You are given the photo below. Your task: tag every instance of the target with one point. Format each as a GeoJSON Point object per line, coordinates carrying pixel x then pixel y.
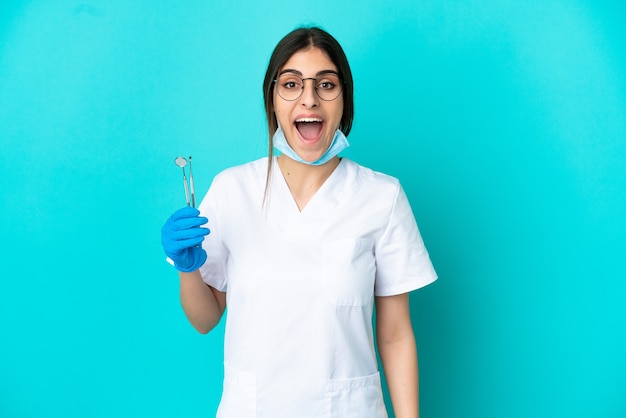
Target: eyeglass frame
{"type": "Point", "coordinates": [319, 75]}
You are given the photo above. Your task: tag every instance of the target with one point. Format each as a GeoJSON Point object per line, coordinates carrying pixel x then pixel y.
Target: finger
{"type": "Point", "coordinates": [185, 234]}
{"type": "Point", "coordinates": [186, 212]}
{"type": "Point", "coordinates": [185, 244]}
{"type": "Point", "coordinates": [187, 223]}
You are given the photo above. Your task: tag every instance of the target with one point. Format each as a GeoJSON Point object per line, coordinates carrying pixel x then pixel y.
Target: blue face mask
{"type": "Point", "coordinates": [340, 142]}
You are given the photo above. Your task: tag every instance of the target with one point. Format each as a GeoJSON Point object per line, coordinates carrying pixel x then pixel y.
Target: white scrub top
{"type": "Point", "coordinates": [301, 284]}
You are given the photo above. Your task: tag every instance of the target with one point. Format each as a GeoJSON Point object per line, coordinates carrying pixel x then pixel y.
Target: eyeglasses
{"type": "Point", "coordinates": [290, 86]}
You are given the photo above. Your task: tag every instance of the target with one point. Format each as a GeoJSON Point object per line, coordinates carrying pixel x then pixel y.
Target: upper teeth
{"type": "Point", "coordinates": [308, 120]}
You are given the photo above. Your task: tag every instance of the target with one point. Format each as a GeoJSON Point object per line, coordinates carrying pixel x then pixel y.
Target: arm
{"type": "Point", "coordinates": [181, 237]}
{"type": "Point", "coordinates": [203, 305]}
{"type": "Point", "coordinates": [398, 353]}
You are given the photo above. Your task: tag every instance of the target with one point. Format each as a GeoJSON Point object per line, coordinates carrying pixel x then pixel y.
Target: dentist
{"type": "Point", "coordinates": [302, 248]}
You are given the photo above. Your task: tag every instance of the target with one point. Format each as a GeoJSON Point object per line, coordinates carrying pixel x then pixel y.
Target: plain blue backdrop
{"type": "Point", "coordinates": [505, 121]}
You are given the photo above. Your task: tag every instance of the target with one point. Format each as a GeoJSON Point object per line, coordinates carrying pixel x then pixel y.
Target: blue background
{"type": "Point", "coordinates": [504, 120]}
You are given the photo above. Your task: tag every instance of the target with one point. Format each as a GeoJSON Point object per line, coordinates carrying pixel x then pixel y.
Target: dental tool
{"type": "Point", "coordinates": [182, 162]}
{"type": "Point", "coordinates": [193, 190]}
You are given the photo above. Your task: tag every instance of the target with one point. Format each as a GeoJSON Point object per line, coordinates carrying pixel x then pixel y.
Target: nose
{"type": "Point", "coordinates": [309, 95]}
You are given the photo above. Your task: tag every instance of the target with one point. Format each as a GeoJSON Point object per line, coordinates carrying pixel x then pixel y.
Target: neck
{"type": "Point", "coordinates": [303, 179]}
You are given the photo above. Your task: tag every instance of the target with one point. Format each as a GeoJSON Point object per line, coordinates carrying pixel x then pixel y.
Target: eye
{"type": "Point", "coordinates": [290, 83]}
{"type": "Point", "coordinates": [328, 83]}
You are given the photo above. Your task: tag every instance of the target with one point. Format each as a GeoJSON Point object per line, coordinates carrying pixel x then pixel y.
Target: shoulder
{"type": "Point", "coordinates": [240, 183]}
{"type": "Point", "coordinates": [247, 173]}
{"type": "Point", "coordinates": [367, 180]}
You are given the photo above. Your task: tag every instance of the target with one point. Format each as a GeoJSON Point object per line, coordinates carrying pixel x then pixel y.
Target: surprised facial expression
{"type": "Point", "coordinates": [309, 122]}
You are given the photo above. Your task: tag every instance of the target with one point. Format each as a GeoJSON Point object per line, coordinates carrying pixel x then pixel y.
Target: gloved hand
{"type": "Point", "coordinates": [181, 237]}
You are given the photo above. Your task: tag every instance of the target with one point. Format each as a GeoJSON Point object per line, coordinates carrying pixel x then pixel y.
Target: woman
{"type": "Point", "coordinates": [301, 248]}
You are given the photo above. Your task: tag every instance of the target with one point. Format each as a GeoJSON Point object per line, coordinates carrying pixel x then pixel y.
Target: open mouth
{"type": "Point", "coordinates": [309, 128]}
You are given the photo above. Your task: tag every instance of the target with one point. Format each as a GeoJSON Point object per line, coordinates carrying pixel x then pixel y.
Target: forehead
{"type": "Point", "coordinates": [309, 62]}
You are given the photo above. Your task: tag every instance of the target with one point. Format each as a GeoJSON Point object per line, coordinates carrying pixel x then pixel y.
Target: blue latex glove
{"type": "Point", "coordinates": [181, 237]}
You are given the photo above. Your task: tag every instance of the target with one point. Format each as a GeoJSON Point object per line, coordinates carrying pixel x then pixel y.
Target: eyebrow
{"type": "Point", "coordinates": [319, 73]}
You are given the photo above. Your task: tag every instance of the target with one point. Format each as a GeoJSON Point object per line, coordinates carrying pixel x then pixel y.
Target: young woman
{"type": "Point", "coordinates": [301, 249]}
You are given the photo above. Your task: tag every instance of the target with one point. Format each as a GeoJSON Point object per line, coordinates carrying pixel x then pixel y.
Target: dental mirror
{"type": "Point", "coordinates": [182, 162]}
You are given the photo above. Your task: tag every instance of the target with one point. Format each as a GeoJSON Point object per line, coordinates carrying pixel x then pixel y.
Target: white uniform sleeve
{"type": "Point", "coordinates": [213, 271]}
{"type": "Point", "coordinates": [402, 261]}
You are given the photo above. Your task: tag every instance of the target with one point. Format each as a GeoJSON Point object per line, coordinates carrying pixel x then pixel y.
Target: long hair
{"type": "Point", "coordinates": [301, 39]}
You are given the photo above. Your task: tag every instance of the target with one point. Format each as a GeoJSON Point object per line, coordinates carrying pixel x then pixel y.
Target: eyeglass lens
{"type": "Point", "coordinates": [290, 86]}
